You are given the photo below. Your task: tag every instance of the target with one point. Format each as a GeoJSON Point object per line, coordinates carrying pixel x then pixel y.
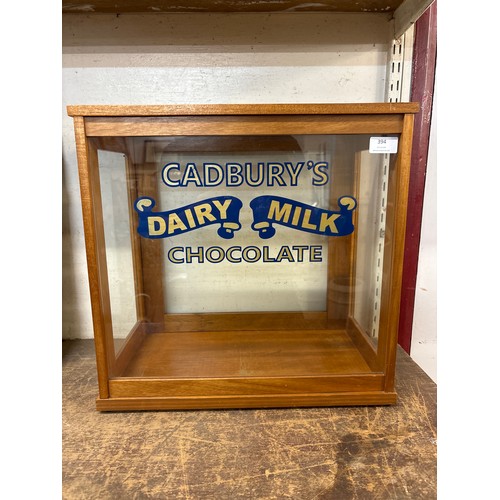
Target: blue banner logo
{"type": "Point", "coordinates": [268, 210]}
{"type": "Point", "coordinates": [223, 210]}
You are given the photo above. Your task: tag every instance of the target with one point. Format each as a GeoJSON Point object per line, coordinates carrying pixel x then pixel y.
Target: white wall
{"type": "Point", "coordinates": [424, 334]}
{"type": "Point", "coordinates": [204, 58]}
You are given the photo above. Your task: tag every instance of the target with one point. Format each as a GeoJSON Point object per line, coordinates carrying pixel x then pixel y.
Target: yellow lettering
{"type": "Point", "coordinates": [190, 218]}
{"type": "Point", "coordinates": [284, 253]}
{"type": "Point", "coordinates": [222, 207]}
{"type": "Point", "coordinates": [165, 174]}
{"type": "Point", "coordinates": [328, 222]}
{"type": "Point", "coordinates": [175, 223]}
{"type": "Point", "coordinates": [296, 216]}
{"type": "Point", "coordinates": [172, 257]}
{"type": "Point", "coordinates": [191, 175]}
{"type": "Point", "coordinates": [229, 254]}
{"type": "Point", "coordinates": [277, 213]}
{"type": "Point", "coordinates": [190, 254]}
{"type": "Point", "coordinates": [156, 225]}
{"type": "Point", "coordinates": [204, 211]}
{"type": "Point", "coordinates": [305, 221]}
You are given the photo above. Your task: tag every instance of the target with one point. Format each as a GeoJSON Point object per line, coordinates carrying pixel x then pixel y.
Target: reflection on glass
{"type": "Point", "coordinates": [372, 181]}
{"type": "Point", "coordinates": [244, 224]}
{"type": "Point", "coordinates": [116, 216]}
{"type": "Point", "coordinates": [206, 273]}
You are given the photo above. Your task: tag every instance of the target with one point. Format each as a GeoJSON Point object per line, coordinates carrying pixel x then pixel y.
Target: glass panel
{"type": "Point", "coordinates": [372, 180]}
{"type": "Point", "coordinates": [246, 269]}
{"type": "Point", "coordinates": [203, 232]}
{"type": "Point", "coordinates": [119, 260]}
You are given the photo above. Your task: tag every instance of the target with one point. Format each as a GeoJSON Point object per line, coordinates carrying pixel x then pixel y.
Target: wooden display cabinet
{"type": "Point", "coordinates": [244, 255]}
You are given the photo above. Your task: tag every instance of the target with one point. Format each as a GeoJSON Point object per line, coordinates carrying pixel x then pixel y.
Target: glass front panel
{"type": "Point", "coordinates": [201, 230]}
{"type": "Point", "coordinates": [244, 268]}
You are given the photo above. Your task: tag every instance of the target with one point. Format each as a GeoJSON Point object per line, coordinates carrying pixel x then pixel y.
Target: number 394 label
{"type": "Point", "coordinates": [383, 145]}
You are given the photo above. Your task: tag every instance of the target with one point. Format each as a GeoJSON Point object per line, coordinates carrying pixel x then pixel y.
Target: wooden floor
{"type": "Point", "coordinates": [304, 454]}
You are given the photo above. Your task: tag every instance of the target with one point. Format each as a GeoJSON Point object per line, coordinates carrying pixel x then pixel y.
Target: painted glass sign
{"type": "Point", "coordinates": [225, 211]}
{"type": "Point", "coordinates": [235, 224]}
{"type": "Point", "coordinates": [251, 223]}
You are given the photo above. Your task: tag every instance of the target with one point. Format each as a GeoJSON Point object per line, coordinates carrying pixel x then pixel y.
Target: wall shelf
{"type": "Point", "coordinates": [404, 12]}
{"type": "Point", "coordinates": [112, 6]}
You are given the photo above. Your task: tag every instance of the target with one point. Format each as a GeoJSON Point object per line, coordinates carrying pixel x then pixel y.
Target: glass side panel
{"type": "Point", "coordinates": [119, 259]}
{"type": "Point", "coordinates": [372, 184]}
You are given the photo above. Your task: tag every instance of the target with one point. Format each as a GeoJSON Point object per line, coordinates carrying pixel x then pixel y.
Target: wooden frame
{"type": "Point", "coordinates": [157, 366]}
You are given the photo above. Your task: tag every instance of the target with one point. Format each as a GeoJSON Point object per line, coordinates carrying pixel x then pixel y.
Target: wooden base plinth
{"type": "Point", "coordinates": [243, 369]}
{"type": "Point", "coordinates": [271, 401]}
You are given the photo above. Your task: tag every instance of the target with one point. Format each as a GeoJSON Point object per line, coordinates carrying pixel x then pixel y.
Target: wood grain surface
{"type": "Point", "coordinates": [239, 125]}
{"type": "Point", "coordinates": [247, 354]}
{"type": "Point", "coordinates": [305, 454]}
{"type": "Point", "coordinates": [361, 108]}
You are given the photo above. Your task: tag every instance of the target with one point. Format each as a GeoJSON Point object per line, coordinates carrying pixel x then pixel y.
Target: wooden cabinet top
{"type": "Point", "coordinates": [243, 109]}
